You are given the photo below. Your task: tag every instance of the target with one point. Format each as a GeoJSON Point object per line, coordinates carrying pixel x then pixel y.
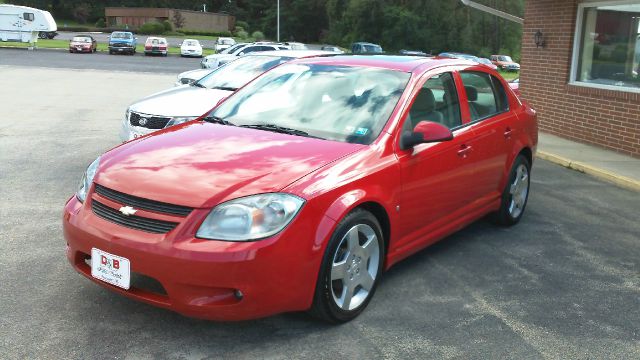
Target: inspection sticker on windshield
{"type": "Point", "coordinates": [361, 131]}
{"type": "Point", "coordinates": [110, 268]}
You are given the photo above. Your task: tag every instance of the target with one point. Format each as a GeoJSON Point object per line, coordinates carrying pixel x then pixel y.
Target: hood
{"type": "Point", "coordinates": [118, 41]}
{"type": "Point", "coordinates": [200, 164]}
{"type": "Point", "coordinates": [195, 74]}
{"type": "Point", "coordinates": [180, 101]}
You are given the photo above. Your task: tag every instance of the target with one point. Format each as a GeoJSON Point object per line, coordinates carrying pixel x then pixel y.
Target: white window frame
{"type": "Point", "coordinates": [577, 42]}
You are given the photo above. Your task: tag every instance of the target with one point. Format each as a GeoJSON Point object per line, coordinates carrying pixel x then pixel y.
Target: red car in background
{"type": "Point", "coordinates": [515, 86]}
{"type": "Point", "coordinates": [301, 188]}
{"type": "Point", "coordinates": [83, 44]}
{"type": "Point", "coordinates": [156, 46]}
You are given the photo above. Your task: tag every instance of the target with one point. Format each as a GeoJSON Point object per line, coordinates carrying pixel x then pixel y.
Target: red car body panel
{"type": "Point", "coordinates": [76, 46]}
{"type": "Point", "coordinates": [422, 195]}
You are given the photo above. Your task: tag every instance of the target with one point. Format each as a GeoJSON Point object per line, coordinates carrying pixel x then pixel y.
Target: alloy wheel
{"type": "Point", "coordinates": [519, 190]}
{"type": "Point", "coordinates": [355, 267]}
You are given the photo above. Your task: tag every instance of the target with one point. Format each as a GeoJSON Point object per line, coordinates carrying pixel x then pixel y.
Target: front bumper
{"type": "Point", "coordinates": [201, 278]}
{"type": "Point", "coordinates": [121, 48]}
{"type": "Point", "coordinates": [191, 52]}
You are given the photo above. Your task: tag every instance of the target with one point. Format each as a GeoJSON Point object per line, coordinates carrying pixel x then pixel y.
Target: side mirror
{"type": "Point", "coordinates": [425, 132]}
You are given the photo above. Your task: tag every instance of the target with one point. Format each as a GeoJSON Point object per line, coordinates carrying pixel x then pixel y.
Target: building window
{"type": "Point", "coordinates": [607, 45]}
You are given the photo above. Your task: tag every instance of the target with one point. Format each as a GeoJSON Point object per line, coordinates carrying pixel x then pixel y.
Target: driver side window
{"type": "Point", "coordinates": [437, 101]}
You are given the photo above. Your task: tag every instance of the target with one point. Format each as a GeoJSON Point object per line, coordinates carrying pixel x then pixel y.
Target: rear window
{"type": "Point", "coordinates": [121, 35]}
{"type": "Point", "coordinates": [81, 39]}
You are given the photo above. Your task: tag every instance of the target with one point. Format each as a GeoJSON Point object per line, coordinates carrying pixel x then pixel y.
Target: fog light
{"type": "Point", "coordinates": [238, 294]}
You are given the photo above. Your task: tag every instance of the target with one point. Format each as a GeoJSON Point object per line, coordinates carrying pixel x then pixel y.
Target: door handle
{"type": "Point", "coordinates": [508, 132]}
{"type": "Point", "coordinates": [464, 150]}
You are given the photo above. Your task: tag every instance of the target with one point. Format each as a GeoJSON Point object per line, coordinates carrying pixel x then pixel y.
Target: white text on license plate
{"type": "Point", "coordinates": [110, 268]}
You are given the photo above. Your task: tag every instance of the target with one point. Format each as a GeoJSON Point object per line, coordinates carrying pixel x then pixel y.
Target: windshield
{"type": "Point", "coordinates": [225, 41]}
{"type": "Point", "coordinates": [342, 103]}
{"type": "Point", "coordinates": [232, 49]}
{"type": "Point", "coordinates": [239, 72]}
{"type": "Point", "coordinates": [156, 41]}
{"type": "Point", "coordinates": [372, 48]}
{"type": "Point", "coordinates": [190, 43]}
{"type": "Point", "coordinates": [81, 39]}
{"type": "Point", "coordinates": [484, 61]}
{"type": "Point", "coordinates": [121, 36]}
{"type": "Point", "coordinates": [505, 58]}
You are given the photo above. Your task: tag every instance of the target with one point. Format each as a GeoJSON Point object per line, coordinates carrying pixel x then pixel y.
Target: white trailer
{"type": "Point", "coordinates": [22, 23]}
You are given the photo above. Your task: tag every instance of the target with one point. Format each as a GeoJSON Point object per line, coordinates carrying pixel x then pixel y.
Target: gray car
{"type": "Point", "coordinates": [188, 102]}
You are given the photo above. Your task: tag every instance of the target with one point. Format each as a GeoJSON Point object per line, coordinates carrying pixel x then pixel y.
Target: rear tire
{"type": "Point", "coordinates": [350, 270]}
{"type": "Point", "coordinates": [515, 194]}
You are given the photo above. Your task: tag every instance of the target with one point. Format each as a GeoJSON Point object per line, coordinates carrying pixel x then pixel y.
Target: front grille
{"type": "Point", "coordinates": [141, 203]}
{"type": "Point", "coordinates": [149, 122]}
{"type": "Point", "coordinates": [132, 221]}
{"type": "Point", "coordinates": [122, 45]}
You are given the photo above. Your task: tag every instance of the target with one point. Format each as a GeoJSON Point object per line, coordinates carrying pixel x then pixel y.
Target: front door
{"type": "Point", "coordinates": [435, 177]}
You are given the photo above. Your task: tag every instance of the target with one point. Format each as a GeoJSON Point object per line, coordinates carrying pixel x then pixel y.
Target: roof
{"type": "Point", "coordinates": [294, 53]}
{"type": "Point", "coordinates": [392, 62]}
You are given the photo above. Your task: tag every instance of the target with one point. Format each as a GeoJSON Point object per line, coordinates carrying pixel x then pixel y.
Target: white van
{"type": "Point", "coordinates": [22, 23]}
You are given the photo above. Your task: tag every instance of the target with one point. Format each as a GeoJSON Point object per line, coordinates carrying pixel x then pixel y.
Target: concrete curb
{"type": "Point", "coordinates": [602, 174]}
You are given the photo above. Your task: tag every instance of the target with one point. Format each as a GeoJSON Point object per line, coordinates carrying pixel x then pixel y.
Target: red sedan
{"type": "Point", "coordinates": [83, 43]}
{"type": "Point", "coordinates": [299, 190]}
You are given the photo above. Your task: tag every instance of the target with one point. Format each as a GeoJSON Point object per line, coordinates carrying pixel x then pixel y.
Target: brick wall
{"type": "Point", "coordinates": [607, 118]}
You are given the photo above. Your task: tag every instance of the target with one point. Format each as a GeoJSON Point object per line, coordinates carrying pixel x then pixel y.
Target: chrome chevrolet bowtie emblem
{"type": "Point", "coordinates": [142, 121]}
{"type": "Point", "coordinates": [127, 210]}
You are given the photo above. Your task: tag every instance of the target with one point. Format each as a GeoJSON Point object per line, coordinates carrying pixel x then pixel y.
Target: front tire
{"type": "Point", "coordinates": [351, 268]}
{"type": "Point", "coordinates": [515, 194]}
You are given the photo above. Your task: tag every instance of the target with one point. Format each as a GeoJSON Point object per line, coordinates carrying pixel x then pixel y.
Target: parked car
{"type": "Point", "coordinates": [455, 55]}
{"type": "Point", "coordinates": [122, 42]}
{"type": "Point", "coordinates": [191, 76]}
{"type": "Point", "coordinates": [515, 86]}
{"type": "Point", "coordinates": [223, 43]}
{"type": "Point", "coordinates": [156, 46]}
{"type": "Point", "coordinates": [181, 104]}
{"type": "Point", "coordinates": [300, 189]}
{"type": "Point", "coordinates": [332, 48]}
{"type": "Point", "coordinates": [413, 53]}
{"type": "Point", "coordinates": [83, 43]}
{"type": "Point", "coordinates": [505, 62]}
{"type": "Point", "coordinates": [296, 46]}
{"type": "Point", "coordinates": [47, 34]}
{"type": "Point", "coordinates": [191, 47]}
{"type": "Point", "coordinates": [487, 62]}
{"type": "Point", "coordinates": [213, 61]}
{"type": "Point", "coordinates": [366, 48]}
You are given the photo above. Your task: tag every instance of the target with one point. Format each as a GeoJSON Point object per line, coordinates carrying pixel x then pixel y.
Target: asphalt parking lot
{"type": "Point", "coordinates": [564, 283]}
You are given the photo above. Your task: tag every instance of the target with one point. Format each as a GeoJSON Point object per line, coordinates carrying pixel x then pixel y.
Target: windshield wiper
{"type": "Point", "coordinates": [195, 83]}
{"type": "Point", "coordinates": [226, 88]}
{"type": "Point", "coordinates": [216, 120]}
{"type": "Point", "coordinates": [281, 129]}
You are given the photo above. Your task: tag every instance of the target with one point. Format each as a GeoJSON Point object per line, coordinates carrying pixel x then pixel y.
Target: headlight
{"type": "Point", "coordinates": [180, 120]}
{"type": "Point", "coordinates": [250, 218]}
{"type": "Point", "coordinates": [87, 180]}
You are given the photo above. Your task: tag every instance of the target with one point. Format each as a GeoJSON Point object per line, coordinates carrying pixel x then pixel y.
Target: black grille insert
{"type": "Point", "coordinates": [141, 203]}
{"type": "Point", "coordinates": [148, 121]}
{"type": "Point", "coordinates": [132, 221]}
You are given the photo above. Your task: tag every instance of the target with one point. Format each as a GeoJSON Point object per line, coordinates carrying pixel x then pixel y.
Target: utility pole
{"type": "Point", "coordinates": [278, 31]}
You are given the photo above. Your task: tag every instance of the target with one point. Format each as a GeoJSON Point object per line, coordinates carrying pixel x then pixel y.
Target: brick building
{"type": "Point", "coordinates": [193, 20]}
{"type": "Point", "coordinates": [584, 81]}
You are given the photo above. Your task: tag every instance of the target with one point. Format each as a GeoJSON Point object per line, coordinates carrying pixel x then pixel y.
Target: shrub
{"type": "Point", "coordinates": [225, 33]}
{"type": "Point", "coordinates": [168, 27]}
{"type": "Point", "coordinates": [100, 23]}
{"type": "Point", "coordinates": [242, 34]}
{"type": "Point", "coordinates": [151, 28]}
{"type": "Point", "coordinates": [242, 24]}
{"type": "Point", "coordinates": [257, 35]}
{"type": "Point", "coordinates": [173, 33]}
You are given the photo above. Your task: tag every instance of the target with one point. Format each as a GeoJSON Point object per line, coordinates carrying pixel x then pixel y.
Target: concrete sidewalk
{"type": "Point", "coordinates": [607, 165]}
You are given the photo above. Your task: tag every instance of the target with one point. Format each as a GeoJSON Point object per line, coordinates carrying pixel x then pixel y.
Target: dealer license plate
{"type": "Point", "coordinates": [110, 268]}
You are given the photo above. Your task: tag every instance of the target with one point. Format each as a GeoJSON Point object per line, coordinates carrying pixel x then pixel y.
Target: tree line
{"type": "Point", "coordinates": [427, 25]}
